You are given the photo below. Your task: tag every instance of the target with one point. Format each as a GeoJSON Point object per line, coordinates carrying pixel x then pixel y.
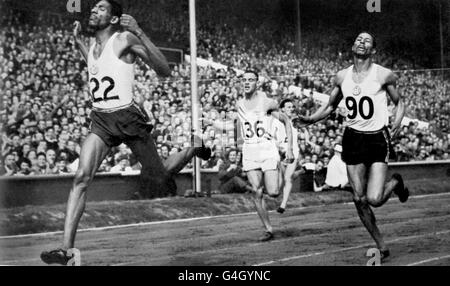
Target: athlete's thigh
{"type": "Point", "coordinates": [357, 178]}
{"type": "Point", "coordinates": [255, 178]}
{"type": "Point", "coordinates": [376, 180]}
{"type": "Point", "coordinates": [147, 155]}
{"type": "Point", "coordinates": [92, 153]}
{"type": "Point", "coordinates": [272, 180]}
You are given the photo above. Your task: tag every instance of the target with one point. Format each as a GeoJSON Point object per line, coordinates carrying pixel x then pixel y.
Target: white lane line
{"type": "Point", "coordinates": [124, 226]}
{"type": "Point", "coordinates": [43, 234]}
{"type": "Point", "coordinates": [350, 248]}
{"type": "Point", "coordinates": [429, 260]}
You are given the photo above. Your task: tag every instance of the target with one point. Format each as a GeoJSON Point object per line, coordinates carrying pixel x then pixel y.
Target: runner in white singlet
{"type": "Point", "coordinates": [366, 141]}
{"type": "Point", "coordinates": [115, 117]}
{"type": "Point", "coordinates": [259, 151]}
{"type": "Point", "coordinates": [287, 107]}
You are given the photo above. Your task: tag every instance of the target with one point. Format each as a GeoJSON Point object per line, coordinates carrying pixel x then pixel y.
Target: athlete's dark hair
{"type": "Point", "coordinates": [116, 8]}
{"type": "Point", "coordinates": [284, 101]}
{"type": "Point", "coordinates": [253, 72]}
{"type": "Point", "coordinates": [374, 42]}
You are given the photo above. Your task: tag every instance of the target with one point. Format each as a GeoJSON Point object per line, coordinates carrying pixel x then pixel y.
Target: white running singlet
{"type": "Point", "coordinates": [366, 102]}
{"type": "Point", "coordinates": [257, 129]}
{"type": "Point", "coordinates": [110, 78]}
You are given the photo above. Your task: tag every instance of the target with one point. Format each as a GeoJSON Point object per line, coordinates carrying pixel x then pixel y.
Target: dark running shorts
{"type": "Point", "coordinates": [366, 147]}
{"type": "Point", "coordinates": [120, 126]}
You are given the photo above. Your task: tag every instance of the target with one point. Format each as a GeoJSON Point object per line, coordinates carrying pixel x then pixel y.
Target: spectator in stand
{"type": "Point", "coordinates": [61, 166]}
{"type": "Point", "coordinates": [123, 165]}
{"type": "Point", "coordinates": [320, 175]}
{"type": "Point", "coordinates": [41, 167]}
{"type": "Point", "coordinates": [336, 177]}
{"type": "Point", "coordinates": [9, 167]}
{"type": "Point", "coordinates": [232, 178]}
{"type": "Point", "coordinates": [25, 168]}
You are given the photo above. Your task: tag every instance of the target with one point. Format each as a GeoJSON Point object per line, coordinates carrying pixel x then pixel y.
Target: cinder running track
{"type": "Point", "coordinates": [417, 233]}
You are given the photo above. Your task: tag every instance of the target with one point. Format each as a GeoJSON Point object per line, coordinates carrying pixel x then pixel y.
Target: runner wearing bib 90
{"type": "Point", "coordinates": [364, 87]}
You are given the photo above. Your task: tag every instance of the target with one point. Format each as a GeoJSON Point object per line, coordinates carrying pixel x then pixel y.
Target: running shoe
{"type": "Point", "coordinates": [56, 256]}
{"type": "Point", "coordinates": [384, 255]}
{"type": "Point", "coordinates": [267, 236]}
{"type": "Point", "coordinates": [203, 153]}
{"type": "Point", "coordinates": [400, 190]}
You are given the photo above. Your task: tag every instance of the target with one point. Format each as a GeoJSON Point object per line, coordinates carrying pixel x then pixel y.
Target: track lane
{"type": "Point", "coordinates": [232, 240]}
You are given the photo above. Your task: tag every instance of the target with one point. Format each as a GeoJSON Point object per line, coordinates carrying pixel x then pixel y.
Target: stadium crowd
{"type": "Point", "coordinates": [45, 102]}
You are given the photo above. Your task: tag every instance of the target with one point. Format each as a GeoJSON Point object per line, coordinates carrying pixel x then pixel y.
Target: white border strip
{"type": "Point", "coordinates": [185, 220]}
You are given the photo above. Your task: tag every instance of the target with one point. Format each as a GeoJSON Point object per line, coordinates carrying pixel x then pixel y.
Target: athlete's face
{"type": "Point", "coordinates": [101, 16]}
{"type": "Point", "coordinates": [288, 109]}
{"type": "Point", "coordinates": [363, 45]}
{"type": "Point", "coordinates": [250, 81]}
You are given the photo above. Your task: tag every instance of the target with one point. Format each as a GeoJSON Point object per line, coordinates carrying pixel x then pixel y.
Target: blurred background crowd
{"type": "Point", "coordinates": [45, 103]}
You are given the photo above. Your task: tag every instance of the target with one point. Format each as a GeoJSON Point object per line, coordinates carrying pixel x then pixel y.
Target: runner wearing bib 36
{"type": "Point", "coordinates": [260, 157]}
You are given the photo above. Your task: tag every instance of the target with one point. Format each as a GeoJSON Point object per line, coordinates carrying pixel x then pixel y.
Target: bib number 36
{"type": "Point", "coordinates": [110, 86]}
{"type": "Point", "coordinates": [257, 130]}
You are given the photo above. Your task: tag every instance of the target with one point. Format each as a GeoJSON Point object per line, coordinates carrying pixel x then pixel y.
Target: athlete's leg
{"type": "Point", "coordinates": [357, 178]}
{"type": "Point", "coordinates": [176, 162]}
{"type": "Point", "coordinates": [288, 180]}
{"type": "Point", "coordinates": [255, 179]}
{"type": "Point", "coordinates": [273, 181]}
{"type": "Point", "coordinates": [155, 179]}
{"type": "Point", "coordinates": [378, 190]}
{"type": "Point", "coordinates": [93, 151]}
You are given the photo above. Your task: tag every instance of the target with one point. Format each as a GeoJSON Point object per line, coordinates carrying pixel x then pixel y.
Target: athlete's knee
{"type": "Point", "coordinates": [258, 193]}
{"type": "Point", "coordinates": [375, 200]}
{"type": "Point", "coordinates": [273, 192]}
{"type": "Point", "coordinates": [360, 200]}
{"type": "Point", "coordinates": [82, 179]}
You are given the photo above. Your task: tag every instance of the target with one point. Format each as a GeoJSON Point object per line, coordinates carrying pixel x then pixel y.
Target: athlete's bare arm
{"type": "Point", "coordinates": [390, 80]}
{"type": "Point", "coordinates": [139, 44]}
{"type": "Point", "coordinates": [325, 110]}
{"type": "Point", "coordinates": [227, 125]}
{"type": "Point", "coordinates": [78, 42]}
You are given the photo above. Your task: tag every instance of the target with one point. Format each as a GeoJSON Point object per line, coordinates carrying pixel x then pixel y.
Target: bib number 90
{"type": "Point", "coordinates": [354, 108]}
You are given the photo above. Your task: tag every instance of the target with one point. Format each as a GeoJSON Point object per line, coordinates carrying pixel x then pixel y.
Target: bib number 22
{"type": "Point", "coordinates": [108, 89]}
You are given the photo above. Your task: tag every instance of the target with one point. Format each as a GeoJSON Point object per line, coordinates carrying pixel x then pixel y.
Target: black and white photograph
{"type": "Point", "coordinates": [255, 133]}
